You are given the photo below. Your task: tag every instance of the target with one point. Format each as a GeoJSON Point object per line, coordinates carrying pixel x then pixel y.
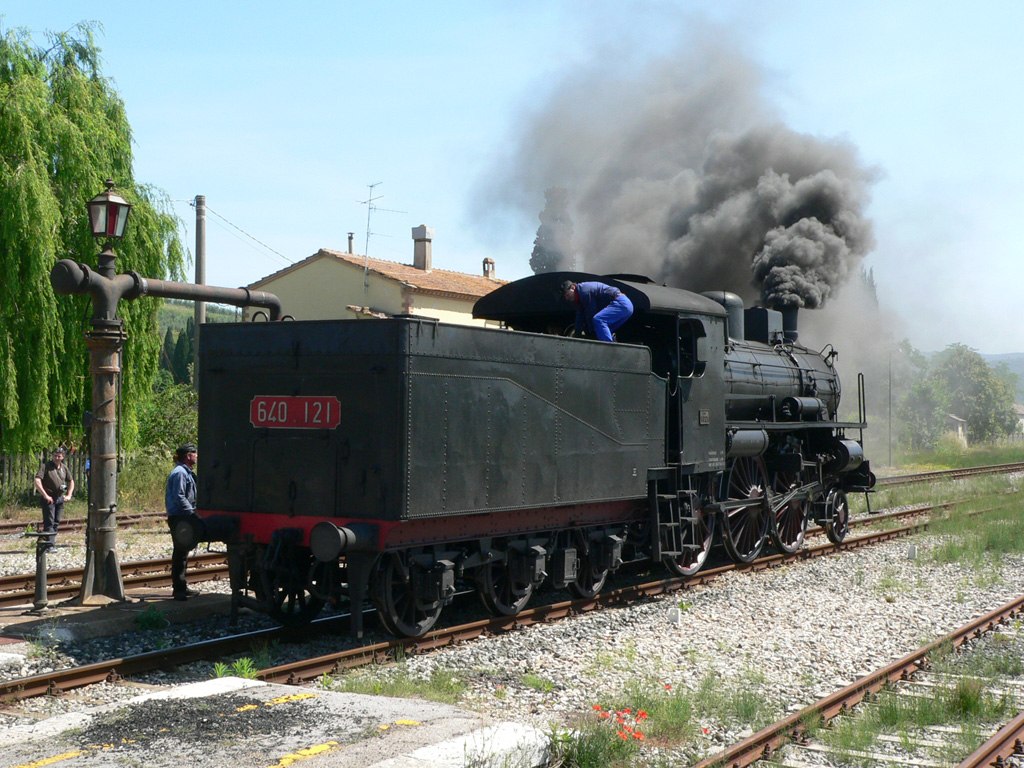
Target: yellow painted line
{"type": "Point", "coordinates": [289, 698]}
{"type": "Point", "coordinates": [385, 726]}
{"type": "Point", "coordinates": [51, 760]}
{"type": "Point", "coordinates": [304, 754]}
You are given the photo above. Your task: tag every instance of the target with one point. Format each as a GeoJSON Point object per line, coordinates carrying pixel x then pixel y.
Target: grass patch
{"type": "Point", "coordinates": [951, 455]}
{"type": "Point", "coordinates": [152, 618]}
{"type": "Point", "coordinates": [442, 685]}
{"type": "Point", "coordinates": [243, 667]}
{"type": "Point", "coordinates": [979, 539]}
{"type": "Point", "coordinates": [890, 585]}
{"type": "Point", "coordinates": [649, 712]}
{"type": "Point", "coordinates": [593, 743]}
{"type": "Point", "coordinates": [538, 683]}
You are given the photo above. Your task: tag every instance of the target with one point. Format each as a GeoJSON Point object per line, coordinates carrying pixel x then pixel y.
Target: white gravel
{"type": "Point", "coordinates": [18, 552]}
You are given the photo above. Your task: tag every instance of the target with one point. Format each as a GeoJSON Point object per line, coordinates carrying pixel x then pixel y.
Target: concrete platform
{"type": "Point", "coordinates": [66, 620]}
{"type": "Point", "coordinates": [233, 722]}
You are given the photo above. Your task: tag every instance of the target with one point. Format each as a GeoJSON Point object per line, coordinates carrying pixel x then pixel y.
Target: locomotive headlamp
{"type": "Point", "coordinates": [108, 213]}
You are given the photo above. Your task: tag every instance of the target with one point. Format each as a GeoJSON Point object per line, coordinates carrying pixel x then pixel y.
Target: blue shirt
{"type": "Point", "coordinates": [591, 298]}
{"type": "Point", "coordinates": [180, 496]}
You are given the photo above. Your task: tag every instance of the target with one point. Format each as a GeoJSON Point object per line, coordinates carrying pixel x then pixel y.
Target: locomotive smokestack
{"type": "Point", "coordinates": [789, 325]}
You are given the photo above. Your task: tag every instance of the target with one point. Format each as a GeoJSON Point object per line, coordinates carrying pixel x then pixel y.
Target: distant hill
{"type": "Point", "coordinates": [175, 314]}
{"type": "Point", "coordinates": [1014, 361]}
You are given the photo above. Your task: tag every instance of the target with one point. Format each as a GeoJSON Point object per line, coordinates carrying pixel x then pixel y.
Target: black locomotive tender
{"type": "Point", "coordinates": [399, 459]}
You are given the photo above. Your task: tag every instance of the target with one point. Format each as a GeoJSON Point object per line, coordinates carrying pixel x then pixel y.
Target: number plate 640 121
{"type": "Point", "coordinates": [284, 412]}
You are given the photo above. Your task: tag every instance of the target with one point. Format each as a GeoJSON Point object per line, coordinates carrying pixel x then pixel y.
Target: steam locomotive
{"type": "Point", "coordinates": [401, 459]}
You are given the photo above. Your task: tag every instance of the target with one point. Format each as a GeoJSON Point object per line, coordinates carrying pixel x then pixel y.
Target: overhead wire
{"type": "Point", "coordinates": [228, 226]}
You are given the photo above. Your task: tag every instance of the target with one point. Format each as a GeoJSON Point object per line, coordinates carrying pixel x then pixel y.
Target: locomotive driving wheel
{"type": "Point", "coordinates": [791, 518]}
{"type": "Point", "coordinates": [295, 587]}
{"type": "Point", "coordinates": [499, 589]}
{"type": "Point", "coordinates": [837, 515]}
{"type": "Point", "coordinates": [393, 589]}
{"type": "Point", "coordinates": [746, 525]}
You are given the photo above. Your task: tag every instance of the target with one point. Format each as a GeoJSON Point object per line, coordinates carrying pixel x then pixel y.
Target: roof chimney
{"type": "Point", "coordinates": [351, 237]}
{"type": "Point", "coordinates": [489, 268]}
{"type": "Point", "coordinates": [421, 237]}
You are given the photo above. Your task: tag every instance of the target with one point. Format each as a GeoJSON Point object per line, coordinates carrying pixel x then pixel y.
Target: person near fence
{"type": "Point", "coordinates": [55, 485]}
{"type": "Point", "coordinates": [180, 501]}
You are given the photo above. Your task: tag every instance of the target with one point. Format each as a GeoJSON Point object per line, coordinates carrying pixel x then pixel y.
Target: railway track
{"type": "Point", "coordinates": [766, 746]}
{"type": "Point", "coordinates": [312, 668]}
{"type": "Point", "coordinates": [18, 589]}
{"type": "Point", "coordinates": [78, 523]}
{"type": "Point", "coordinates": [951, 474]}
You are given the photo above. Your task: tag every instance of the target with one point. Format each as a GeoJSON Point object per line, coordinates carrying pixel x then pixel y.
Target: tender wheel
{"type": "Point", "coordinates": [791, 519]}
{"type": "Point", "coordinates": [696, 544]}
{"type": "Point", "coordinates": [500, 592]}
{"type": "Point", "coordinates": [837, 516]}
{"type": "Point", "coordinates": [590, 578]}
{"type": "Point", "coordinates": [393, 590]}
{"type": "Point", "coordinates": [746, 527]}
{"type": "Point", "coordinates": [295, 588]}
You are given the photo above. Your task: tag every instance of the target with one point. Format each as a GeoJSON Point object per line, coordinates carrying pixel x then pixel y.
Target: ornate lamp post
{"type": "Point", "coordinates": [108, 214]}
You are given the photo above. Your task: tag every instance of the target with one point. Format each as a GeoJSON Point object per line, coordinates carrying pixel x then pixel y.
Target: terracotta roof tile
{"type": "Point", "coordinates": [435, 281]}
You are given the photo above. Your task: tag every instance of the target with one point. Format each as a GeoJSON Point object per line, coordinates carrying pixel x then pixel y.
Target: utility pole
{"type": "Point", "coordinates": [200, 316]}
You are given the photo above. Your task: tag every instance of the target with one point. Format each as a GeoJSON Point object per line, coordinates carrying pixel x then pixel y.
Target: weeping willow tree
{"type": "Point", "coordinates": [63, 131]}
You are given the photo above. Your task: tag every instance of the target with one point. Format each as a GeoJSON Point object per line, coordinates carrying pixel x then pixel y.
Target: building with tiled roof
{"type": "Point", "coordinates": [332, 285]}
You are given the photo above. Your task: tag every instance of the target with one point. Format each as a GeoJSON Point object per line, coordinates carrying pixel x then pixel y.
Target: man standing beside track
{"type": "Point", "coordinates": [180, 501]}
{"type": "Point", "coordinates": [55, 485]}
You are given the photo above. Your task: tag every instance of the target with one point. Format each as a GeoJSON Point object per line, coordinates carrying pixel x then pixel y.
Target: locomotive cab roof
{"type": "Point", "coordinates": [530, 304]}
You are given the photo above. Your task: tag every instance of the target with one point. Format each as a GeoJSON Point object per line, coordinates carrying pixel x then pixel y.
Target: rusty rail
{"type": "Point", "coordinates": [765, 742]}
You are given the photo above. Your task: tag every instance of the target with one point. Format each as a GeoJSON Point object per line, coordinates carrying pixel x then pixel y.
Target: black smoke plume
{"type": "Point", "coordinates": [678, 168]}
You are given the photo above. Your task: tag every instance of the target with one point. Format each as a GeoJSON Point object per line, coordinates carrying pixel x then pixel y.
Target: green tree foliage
{"type": "Point", "coordinates": [975, 392]}
{"type": "Point", "coordinates": [167, 353]}
{"type": "Point", "coordinates": [63, 131]}
{"type": "Point", "coordinates": [553, 245]}
{"type": "Point", "coordinates": [956, 382]}
{"type": "Point", "coordinates": [184, 351]}
{"type": "Point", "coordinates": [170, 418]}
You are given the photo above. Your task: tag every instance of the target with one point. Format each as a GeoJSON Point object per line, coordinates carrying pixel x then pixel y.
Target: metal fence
{"type": "Point", "coordinates": [17, 473]}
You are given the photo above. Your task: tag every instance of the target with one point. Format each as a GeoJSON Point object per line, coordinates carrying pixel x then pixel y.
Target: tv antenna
{"type": "Point", "coordinates": [369, 202]}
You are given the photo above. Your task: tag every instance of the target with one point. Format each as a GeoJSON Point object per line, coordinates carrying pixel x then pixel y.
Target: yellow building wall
{"type": "Point", "coordinates": [324, 288]}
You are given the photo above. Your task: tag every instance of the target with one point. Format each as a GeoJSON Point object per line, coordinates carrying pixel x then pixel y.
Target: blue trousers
{"type": "Point", "coordinates": [611, 318]}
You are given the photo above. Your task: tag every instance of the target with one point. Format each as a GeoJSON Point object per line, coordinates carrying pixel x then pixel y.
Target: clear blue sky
{"type": "Point", "coordinates": [282, 115]}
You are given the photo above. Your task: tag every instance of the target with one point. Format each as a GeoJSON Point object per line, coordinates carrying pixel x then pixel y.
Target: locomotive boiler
{"type": "Point", "coordinates": [401, 459]}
